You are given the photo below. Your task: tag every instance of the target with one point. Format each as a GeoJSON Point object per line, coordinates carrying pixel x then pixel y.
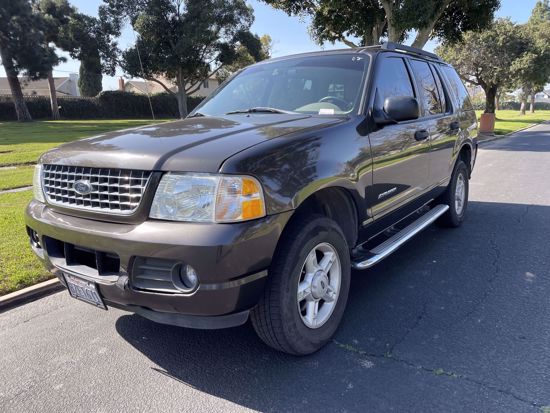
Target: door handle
{"type": "Point", "coordinates": [455, 126]}
{"type": "Point", "coordinates": [422, 134]}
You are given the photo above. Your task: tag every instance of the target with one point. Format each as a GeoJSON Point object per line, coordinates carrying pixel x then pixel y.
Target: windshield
{"type": "Point", "coordinates": [324, 85]}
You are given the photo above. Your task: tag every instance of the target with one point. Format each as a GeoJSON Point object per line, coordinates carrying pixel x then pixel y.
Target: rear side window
{"type": "Point", "coordinates": [427, 88]}
{"type": "Point", "coordinates": [392, 80]}
{"type": "Point", "coordinates": [443, 94]}
{"type": "Point", "coordinates": [458, 88]}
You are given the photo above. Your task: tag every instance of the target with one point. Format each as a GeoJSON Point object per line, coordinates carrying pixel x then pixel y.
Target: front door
{"type": "Point", "coordinates": [400, 152]}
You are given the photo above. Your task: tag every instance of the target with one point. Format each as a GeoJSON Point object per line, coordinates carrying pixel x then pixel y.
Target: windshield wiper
{"type": "Point", "coordinates": [261, 109]}
{"type": "Point", "coordinates": [197, 115]}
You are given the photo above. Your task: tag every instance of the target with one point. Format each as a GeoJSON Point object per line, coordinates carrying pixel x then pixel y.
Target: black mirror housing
{"type": "Point", "coordinates": [401, 108]}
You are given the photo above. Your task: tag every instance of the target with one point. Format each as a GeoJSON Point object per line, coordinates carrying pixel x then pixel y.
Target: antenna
{"type": "Point", "coordinates": [142, 75]}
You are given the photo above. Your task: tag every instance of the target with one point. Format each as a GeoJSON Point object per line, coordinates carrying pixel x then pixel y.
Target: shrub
{"type": "Point", "coordinates": [107, 105]}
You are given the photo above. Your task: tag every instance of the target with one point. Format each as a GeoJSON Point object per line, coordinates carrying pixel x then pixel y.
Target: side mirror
{"type": "Point", "coordinates": [398, 109]}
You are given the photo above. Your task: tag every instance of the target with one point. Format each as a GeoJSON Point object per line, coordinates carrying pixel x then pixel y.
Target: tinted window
{"type": "Point", "coordinates": [312, 84]}
{"type": "Point", "coordinates": [427, 88]}
{"type": "Point", "coordinates": [456, 85]}
{"type": "Point", "coordinates": [393, 80]}
{"type": "Point", "coordinates": [445, 101]}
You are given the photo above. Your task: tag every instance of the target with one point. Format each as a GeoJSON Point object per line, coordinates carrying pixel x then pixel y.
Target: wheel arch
{"type": "Point", "coordinates": [465, 154]}
{"type": "Point", "coordinates": [336, 202]}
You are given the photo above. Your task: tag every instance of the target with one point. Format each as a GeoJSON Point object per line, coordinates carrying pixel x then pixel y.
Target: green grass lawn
{"type": "Point", "coordinates": [21, 144]}
{"type": "Point", "coordinates": [511, 120]}
{"type": "Point", "coordinates": [16, 177]}
{"type": "Point", "coordinates": [19, 267]}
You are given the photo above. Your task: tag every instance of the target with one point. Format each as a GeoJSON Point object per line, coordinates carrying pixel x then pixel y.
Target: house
{"type": "Point", "coordinates": [475, 91]}
{"type": "Point", "coordinates": [65, 86]}
{"type": "Point", "coordinates": [147, 87]}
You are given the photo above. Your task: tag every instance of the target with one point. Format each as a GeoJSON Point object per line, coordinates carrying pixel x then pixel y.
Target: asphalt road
{"type": "Point", "coordinates": [457, 320]}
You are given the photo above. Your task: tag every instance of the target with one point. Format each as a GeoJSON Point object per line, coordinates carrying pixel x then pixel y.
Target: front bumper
{"type": "Point", "coordinates": [231, 261]}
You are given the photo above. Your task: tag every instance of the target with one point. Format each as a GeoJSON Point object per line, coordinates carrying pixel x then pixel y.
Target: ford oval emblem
{"type": "Point", "coordinates": [82, 187]}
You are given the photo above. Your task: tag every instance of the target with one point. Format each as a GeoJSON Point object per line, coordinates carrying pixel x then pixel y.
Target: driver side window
{"type": "Point", "coordinates": [393, 79]}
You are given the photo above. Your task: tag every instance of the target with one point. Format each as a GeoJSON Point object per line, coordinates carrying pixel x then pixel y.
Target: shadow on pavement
{"type": "Point", "coordinates": [465, 302]}
{"type": "Point", "coordinates": [533, 141]}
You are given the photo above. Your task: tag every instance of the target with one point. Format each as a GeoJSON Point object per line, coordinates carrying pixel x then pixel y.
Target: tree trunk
{"type": "Point", "coordinates": [532, 108]}
{"type": "Point", "coordinates": [373, 38]}
{"type": "Point", "coordinates": [368, 40]}
{"type": "Point", "coordinates": [394, 34]}
{"type": "Point", "coordinates": [490, 99]}
{"type": "Point", "coordinates": [181, 95]}
{"type": "Point", "coordinates": [422, 37]}
{"type": "Point", "coordinates": [497, 101]}
{"type": "Point", "coordinates": [53, 97]}
{"type": "Point", "coordinates": [523, 105]}
{"type": "Point", "coordinates": [23, 114]}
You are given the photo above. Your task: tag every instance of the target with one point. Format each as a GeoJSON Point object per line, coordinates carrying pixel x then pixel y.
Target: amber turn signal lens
{"type": "Point", "coordinates": [239, 198]}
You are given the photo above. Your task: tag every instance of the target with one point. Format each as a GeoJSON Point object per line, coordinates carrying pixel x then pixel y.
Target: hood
{"type": "Point", "coordinates": [197, 144]}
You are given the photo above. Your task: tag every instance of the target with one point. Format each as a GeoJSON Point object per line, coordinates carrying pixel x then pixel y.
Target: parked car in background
{"type": "Point", "coordinates": [260, 203]}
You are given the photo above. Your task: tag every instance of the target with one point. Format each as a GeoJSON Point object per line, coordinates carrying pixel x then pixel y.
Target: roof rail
{"type": "Point", "coordinates": [409, 49]}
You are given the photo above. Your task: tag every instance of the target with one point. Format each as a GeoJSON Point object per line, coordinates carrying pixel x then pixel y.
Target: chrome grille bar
{"type": "Point", "coordinates": [112, 191]}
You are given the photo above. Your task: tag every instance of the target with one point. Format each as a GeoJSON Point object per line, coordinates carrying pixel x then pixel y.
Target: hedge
{"type": "Point", "coordinates": [107, 105]}
{"type": "Point", "coordinates": [511, 105]}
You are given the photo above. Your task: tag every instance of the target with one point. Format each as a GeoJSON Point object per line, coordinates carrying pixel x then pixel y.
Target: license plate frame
{"type": "Point", "coordinates": [84, 290]}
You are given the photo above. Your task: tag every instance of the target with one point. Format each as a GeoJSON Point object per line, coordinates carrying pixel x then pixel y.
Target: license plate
{"type": "Point", "coordinates": [84, 290]}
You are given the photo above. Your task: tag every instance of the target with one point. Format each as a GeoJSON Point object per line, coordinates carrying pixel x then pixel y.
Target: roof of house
{"type": "Point", "coordinates": [32, 87]}
{"type": "Point", "coordinates": [153, 87]}
{"type": "Point", "coordinates": [148, 87]}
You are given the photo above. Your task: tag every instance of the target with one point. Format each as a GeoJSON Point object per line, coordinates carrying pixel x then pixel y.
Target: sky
{"type": "Point", "coordinates": [290, 34]}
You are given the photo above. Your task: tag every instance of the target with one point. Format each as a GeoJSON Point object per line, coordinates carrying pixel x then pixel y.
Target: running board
{"type": "Point", "coordinates": [389, 246]}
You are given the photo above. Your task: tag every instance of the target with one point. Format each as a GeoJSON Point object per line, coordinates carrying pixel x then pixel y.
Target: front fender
{"type": "Point", "coordinates": [293, 167]}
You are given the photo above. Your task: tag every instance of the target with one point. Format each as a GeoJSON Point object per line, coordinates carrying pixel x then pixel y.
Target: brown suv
{"type": "Point", "coordinates": [260, 202]}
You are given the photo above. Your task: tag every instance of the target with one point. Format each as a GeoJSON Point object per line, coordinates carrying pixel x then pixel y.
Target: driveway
{"type": "Point", "coordinates": [457, 320]}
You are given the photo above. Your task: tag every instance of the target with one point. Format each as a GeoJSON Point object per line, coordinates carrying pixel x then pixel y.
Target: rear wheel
{"type": "Point", "coordinates": [456, 196]}
{"type": "Point", "coordinates": [307, 289]}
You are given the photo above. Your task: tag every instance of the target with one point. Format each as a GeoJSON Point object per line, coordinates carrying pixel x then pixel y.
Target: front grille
{"type": "Point", "coordinates": [113, 191]}
{"type": "Point", "coordinates": [70, 255]}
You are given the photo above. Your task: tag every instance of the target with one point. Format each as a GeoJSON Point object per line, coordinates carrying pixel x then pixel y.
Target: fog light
{"type": "Point", "coordinates": [35, 240]}
{"type": "Point", "coordinates": [186, 279]}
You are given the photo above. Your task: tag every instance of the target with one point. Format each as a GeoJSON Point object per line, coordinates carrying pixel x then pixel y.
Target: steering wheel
{"type": "Point", "coordinates": [336, 100]}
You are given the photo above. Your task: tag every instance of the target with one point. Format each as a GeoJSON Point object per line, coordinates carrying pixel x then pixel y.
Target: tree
{"type": "Point", "coordinates": [54, 14]}
{"type": "Point", "coordinates": [486, 58]}
{"type": "Point", "coordinates": [249, 52]}
{"type": "Point", "coordinates": [182, 42]}
{"type": "Point", "coordinates": [532, 70]}
{"type": "Point", "coordinates": [370, 20]}
{"type": "Point", "coordinates": [92, 41]}
{"type": "Point", "coordinates": [23, 49]}
{"type": "Point", "coordinates": [540, 13]}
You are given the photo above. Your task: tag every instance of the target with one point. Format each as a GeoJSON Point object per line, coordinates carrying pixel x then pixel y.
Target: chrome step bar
{"type": "Point", "coordinates": [389, 246]}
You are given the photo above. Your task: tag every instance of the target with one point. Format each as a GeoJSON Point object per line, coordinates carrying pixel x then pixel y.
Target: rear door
{"type": "Point", "coordinates": [400, 154]}
{"type": "Point", "coordinates": [439, 120]}
{"type": "Point", "coordinates": [463, 108]}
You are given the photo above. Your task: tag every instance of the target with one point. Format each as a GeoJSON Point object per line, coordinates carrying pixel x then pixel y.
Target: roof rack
{"type": "Point", "coordinates": [409, 49]}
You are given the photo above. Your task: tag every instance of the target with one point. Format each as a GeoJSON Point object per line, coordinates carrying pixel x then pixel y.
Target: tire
{"type": "Point", "coordinates": [454, 217]}
{"type": "Point", "coordinates": [280, 319]}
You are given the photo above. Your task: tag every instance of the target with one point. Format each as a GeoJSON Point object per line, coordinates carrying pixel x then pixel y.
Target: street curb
{"type": "Point", "coordinates": [14, 190]}
{"type": "Point", "coordinates": [496, 137]}
{"type": "Point", "coordinates": [28, 294]}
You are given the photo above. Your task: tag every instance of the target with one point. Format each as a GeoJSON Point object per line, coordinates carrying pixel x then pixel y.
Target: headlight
{"type": "Point", "coordinates": [208, 198]}
{"type": "Point", "coordinates": [37, 184]}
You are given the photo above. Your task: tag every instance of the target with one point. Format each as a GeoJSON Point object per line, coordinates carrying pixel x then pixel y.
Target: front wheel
{"type": "Point", "coordinates": [456, 196]}
{"type": "Point", "coordinates": [307, 290]}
